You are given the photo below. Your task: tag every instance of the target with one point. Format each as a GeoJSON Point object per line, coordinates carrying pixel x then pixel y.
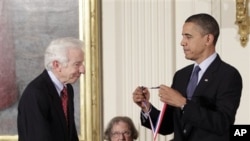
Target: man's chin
{"type": "Point", "coordinates": [72, 81]}
{"type": "Point", "coordinates": [188, 58]}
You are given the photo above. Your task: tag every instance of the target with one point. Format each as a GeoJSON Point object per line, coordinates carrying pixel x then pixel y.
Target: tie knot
{"type": "Point", "coordinates": [64, 91]}
{"type": "Point", "coordinates": [197, 69]}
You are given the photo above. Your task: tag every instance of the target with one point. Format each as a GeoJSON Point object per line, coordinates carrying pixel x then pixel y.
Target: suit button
{"type": "Point", "coordinates": [184, 131]}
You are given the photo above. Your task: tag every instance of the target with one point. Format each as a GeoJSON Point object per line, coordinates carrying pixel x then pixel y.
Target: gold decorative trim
{"type": "Point", "coordinates": [8, 138]}
{"type": "Point", "coordinates": [242, 20]}
{"type": "Point", "coordinates": [91, 121]}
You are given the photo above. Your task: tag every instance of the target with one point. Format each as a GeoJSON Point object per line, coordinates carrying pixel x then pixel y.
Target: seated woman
{"type": "Point", "coordinates": [121, 128]}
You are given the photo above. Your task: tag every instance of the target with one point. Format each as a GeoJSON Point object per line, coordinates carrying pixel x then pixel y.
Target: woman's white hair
{"type": "Point", "coordinates": [58, 49]}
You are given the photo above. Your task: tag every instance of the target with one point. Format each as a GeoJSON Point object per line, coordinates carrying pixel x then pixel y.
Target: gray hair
{"type": "Point", "coordinates": [115, 120]}
{"type": "Point", "coordinates": [58, 49]}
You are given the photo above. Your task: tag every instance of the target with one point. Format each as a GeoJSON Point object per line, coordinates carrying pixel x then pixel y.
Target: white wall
{"type": "Point", "coordinates": [233, 53]}
{"type": "Point", "coordinates": [141, 46]}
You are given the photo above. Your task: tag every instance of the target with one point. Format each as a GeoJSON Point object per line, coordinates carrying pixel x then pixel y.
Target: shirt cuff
{"type": "Point", "coordinates": [146, 114]}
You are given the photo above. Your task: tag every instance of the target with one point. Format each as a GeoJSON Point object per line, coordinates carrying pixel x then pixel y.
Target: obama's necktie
{"type": "Point", "coordinates": [193, 82]}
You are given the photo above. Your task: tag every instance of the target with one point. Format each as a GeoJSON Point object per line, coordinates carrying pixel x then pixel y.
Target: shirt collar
{"type": "Point", "coordinates": [204, 64]}
{"type": "Point", "coordinates": [57, 83]}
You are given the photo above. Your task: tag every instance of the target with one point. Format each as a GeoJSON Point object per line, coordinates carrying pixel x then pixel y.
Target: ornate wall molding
{"type": "Point", "coordinates": [90, 83]}
{"type": "Point", "coordinates": [242, 20]}
{"type": "Point", "coordinates": [91, 122]}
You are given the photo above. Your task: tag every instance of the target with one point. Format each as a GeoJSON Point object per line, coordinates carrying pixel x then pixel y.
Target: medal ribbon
{"type": "Point", "coordinates": [155, 130]}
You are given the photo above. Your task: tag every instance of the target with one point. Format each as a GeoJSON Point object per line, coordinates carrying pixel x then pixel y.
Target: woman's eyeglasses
{"type": "Point", "coordinates": [118, 134]}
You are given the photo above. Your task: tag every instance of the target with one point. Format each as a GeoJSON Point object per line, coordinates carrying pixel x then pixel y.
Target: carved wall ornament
{"type": "Point", "coordinates": [242, 20]}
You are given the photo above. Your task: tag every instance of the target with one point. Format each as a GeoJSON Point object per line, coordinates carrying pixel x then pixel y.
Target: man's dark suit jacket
{"type": "Point", "coordinates": [40, 113]}
{"type": "Point", "coordinates": [208, 116]}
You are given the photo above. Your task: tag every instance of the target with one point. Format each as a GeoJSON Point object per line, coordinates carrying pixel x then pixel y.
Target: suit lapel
{"type": "Point", "coordinates": [207, 77]}
{"type": "Point", "coordinates": [56, 100]}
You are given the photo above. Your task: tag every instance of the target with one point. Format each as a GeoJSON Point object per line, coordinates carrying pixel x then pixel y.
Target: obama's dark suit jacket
{"type": "Point", "coordinates": [40, 113]}
{"type": "Point", "coordinates": [208, 116]}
